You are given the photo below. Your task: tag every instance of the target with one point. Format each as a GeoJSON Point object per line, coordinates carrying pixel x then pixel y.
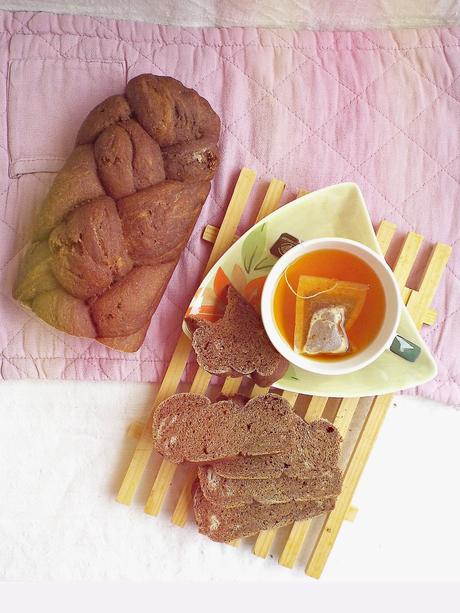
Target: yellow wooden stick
{"type": "Point", "coordinates": [272, 198]}
{"type": "Point", "coordinates": [210, 234]}
{"type": "Point", "coordinates": [231, 386]}
{"type": "Point", "coordinates": [273, 195]}
{"type": "Point", "coordinates": [353, 472]}
{"type": "Point", "coordinates": [407, 257]}
{"type": "Point", "coordinates": [295, 542]}
{"type": "Point", "coordinates": [232, 217]}
{"type": "Point", "coordinates": [419, 303]}
{"type": "Point", "coordinates": [176, 366]}
{"type": "Point", "coordinates": [135, 430]}
{"type": "Point", "coordinates": [184, 502]}
{"type": "Point", "coordinates": [299, 532]}
{"type": "Point", "coordinates": [385, 234]}
{"type": "Point", "coordinates": [315, 408]}
{"type": "Point", "coordinates": [144, 446]}
{"type": "Point", "coordinates": [351, 513]}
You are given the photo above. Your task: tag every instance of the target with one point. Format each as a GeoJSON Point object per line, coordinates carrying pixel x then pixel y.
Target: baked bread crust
{"type": "Point", "coordinates": [120, 212]}
{"type": "Point", "coordinates": [226, 524]}
{"type": "Point", "coordinates": [237, 344]}
{"type": "Point", "coordinates": [313, 446]}
{"type": "Point", "coordinates": [189, 427]}
{"type": "Point", "coordinates": [231, 493]}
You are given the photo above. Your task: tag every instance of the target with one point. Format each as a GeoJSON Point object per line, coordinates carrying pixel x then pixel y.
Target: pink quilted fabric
{"type": "Point", "coordinates": [378, 108]}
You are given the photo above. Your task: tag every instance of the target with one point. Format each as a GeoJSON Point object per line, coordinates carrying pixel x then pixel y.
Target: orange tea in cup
{"type": "Point", "coordinates": [329, 283]}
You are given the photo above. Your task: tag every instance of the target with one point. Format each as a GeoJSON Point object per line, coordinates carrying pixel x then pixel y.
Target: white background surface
{"type": "Point", "coordinates": [312, 14]}
{"type": "Point", "coordinates": [63, 447]}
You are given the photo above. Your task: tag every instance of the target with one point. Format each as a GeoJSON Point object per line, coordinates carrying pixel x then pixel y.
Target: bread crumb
{"type": "Point", "coordinates": [213, 523]}
{"type": "Point", "coordinates": [229, 489]}
{"type": "Point", "coordinates": [213, 479]}
{"type": "Point", "coordinates": [164, 423]}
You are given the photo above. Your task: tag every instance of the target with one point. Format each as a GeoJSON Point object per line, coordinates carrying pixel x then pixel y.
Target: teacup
{"type": "Point", "coordinates": [348, 363]}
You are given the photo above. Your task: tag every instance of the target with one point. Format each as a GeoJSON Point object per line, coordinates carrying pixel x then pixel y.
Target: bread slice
{"type": "Point", "coordinates": [237, 344]}
{"type": "Point", "coordinates": [239, 492]}
{"type": "Point", "coordinates": [314, 446]}
{"type": "Point", "coordinates": [223, 525]}
{"type": "Point", "coordinates": [191, 427]}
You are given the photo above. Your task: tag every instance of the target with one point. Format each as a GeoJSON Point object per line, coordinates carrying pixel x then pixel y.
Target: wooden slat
{"type": "Point", "coordinates": [345, 415]}
{"type": "Point", "coordinates": [231, 386]}
{"type": "Point", "coordinates": [385, 234]}
{"type": "Point", "coordinates": [294, 543]}
{"type": "Point", "coordinates": [144, 445]}
{"type": "Point", "coordinates": [360, 454]}
{"type": "Point", "coordinates": [270, 203]}
{"type": "Point", "coordinates": [176, 366]}
{"type": "Point", "coordinates": [135, 430]}
{"type": "Point", "coordinates": [406, 258]}
{"type": "Point", "coordinates": [430, 317]}
{"type": "Point", "coordinates": [291, 397]}
{"type": "Point", "coordinates": [232, 217]}
{"type": "Point", "coordinates": [315, 408]}
{"type": "Point", "coordinates": [272, 198]}
{"type": "Point", "coordinates": [210, 234]}
{"type": "Point", "coordinates": [351, 513]}
{"type": "Point", "coordinates": [162, 482]}
{"type": "Point", "coordinates": [419, 303]}
{"type": "Point", "coordinates": [184, 503]}
{"type": "Point", "coordinates": [300, 529]}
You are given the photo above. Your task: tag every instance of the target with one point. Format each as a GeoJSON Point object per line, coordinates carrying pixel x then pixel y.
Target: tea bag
{"type": "Point", "coordinates": [326, 333]}
{"type": "Point", "coordinates": [325, 310]}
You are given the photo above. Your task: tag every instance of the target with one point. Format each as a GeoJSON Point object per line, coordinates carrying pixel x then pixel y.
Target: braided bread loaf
{"type": "Point", "coordinates": [120, 211]}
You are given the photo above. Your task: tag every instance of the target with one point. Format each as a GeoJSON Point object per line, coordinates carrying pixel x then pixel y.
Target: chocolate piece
{"type": "Point", "coordinates": [284, 242]}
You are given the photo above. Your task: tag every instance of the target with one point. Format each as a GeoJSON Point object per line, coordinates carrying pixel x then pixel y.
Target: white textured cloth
{"type": "Point", "coordinates": [310, 14]}
{"type": "Point", "coordinates": [62, 452]}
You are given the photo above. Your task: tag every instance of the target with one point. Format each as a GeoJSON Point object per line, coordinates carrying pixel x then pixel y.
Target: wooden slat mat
{"type": "Point", "coordinates": [358, 420]}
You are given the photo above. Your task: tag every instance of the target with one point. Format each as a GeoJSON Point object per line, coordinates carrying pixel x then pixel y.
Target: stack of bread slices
{"type": "Point", "coordinates": [260, 465]}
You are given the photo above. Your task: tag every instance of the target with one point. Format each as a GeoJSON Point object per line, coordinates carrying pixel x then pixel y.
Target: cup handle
{"type": "Point", "coordinates": [405, 349]}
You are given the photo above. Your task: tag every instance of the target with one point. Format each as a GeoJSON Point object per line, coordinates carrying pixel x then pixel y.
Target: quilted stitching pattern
{"type": "Point", "coordinates": [378, 108]}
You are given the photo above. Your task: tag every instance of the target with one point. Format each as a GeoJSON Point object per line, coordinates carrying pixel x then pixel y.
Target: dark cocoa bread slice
{"type": "Point", "coordinates": [191, 427]}
{"type": "Point", "coordinates": [239, 492]}
{"type": "Point", "coordinates": [314, 446]}
{"type": "Point", "coordinates": [223, 525]}
{"type": "Point", "coordinates": [237, 344]}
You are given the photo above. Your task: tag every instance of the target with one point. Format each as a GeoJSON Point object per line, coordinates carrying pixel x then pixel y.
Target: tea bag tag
{"type": "Point", "coordinates": [326, 333]}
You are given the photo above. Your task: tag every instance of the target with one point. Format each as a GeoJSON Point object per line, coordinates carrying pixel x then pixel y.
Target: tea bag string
{"type": "Point", "coordinates": [324, 291]}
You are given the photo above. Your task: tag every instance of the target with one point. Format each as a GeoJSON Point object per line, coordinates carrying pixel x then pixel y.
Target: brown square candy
{"type": "Point", "coordinates": [283, 244]}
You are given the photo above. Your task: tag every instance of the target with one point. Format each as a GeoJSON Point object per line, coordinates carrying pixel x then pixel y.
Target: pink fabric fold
{"type": "Point", "coordinates": [312, 108]}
